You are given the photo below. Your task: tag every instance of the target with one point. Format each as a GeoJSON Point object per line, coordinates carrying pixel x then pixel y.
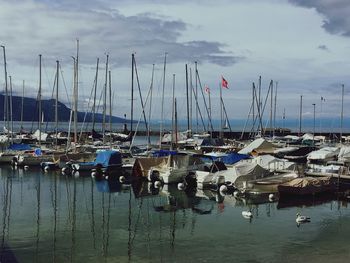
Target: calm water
{"type": "Point", "coordinates": [54, 218]}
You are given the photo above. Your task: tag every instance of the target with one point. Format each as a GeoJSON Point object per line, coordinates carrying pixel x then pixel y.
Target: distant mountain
{"type": "Point", "coordinates": [31, 111]}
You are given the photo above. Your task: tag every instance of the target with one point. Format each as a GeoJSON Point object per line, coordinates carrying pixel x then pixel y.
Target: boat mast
{"type": "Point", "coordinates": [253, 103]}
{"type": "Point", "coordinates": [274, 114]}
{"type": "Point", "coordinates": [11, 109]}
{"type": "Point", "coordinates": [150, 110]}
{"type": "Point", "coordinates": [162, 110]}
{"type": "Point", "coordinates": [56, 104]}
{"type": "Point", "coordinates": [191, 101]}
{"type": "Point", "coordinates": [6, 112]}
{"type": "Point", "coordinates": [39, 101]}
{"type": "Point", "coordinates": [104, 102]}
{"type": "Point", "coordinates": [187, 101]}
{"type": "Point", "coordinates": [342, 113]}
{"type": "Point", "coordinates": [132, 93]}
{"type": "Point", "coordinates": [271, 107]}
{"type": "Point", "coordinates": [73, 111]}
{"type": "Point", "coordinates": [176, 139]}
{"type": "Point", "coordinates": [260, 108]}
{"type": "Point", "coordinates": [300, 113]}
{"type": "Point", "coordinates": [110, 104]}
{"type": "Point", "coordinates": [22, 108]}
{"type": "Point", "coordinates": [95, 90]}
{"type": "Point", "coordinates": [196, 86]}
{"type": "Point", "coordinates": [173, 115]}
{"type": "Point", "coordinates": [76, 75]}
{"type": "Point", "coordinates": [210, 126]}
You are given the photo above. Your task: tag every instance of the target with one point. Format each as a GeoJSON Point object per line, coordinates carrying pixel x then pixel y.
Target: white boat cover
{"type": "Point", "coordinates": [324, 153]}
{"type": "Point", "coordinates": [242, 173]}
{"type": "Point", "coordinates": [272, 163]}
{"type": "Point", "coordinates": [43, 136]}
{"type": "Point", "coordinates": [344, 154]}
{"type": "Point", "coordinates": [259, 145]}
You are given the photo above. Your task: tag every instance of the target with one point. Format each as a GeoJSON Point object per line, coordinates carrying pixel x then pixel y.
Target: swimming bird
{"type": "Point", "coordinates": [247, 214]}
{"type": "Point", "coordinates": [302, 219]}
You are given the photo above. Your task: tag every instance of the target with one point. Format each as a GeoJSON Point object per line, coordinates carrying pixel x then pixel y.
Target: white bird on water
{"type": "Point", "coordinates": [302, 219]}
{"type": "Point", "coordinates": [247, 214]}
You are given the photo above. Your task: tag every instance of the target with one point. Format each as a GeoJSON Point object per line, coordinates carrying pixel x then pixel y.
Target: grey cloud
{"type": "Point", "coordinates": [51, 29]}
{"type": "Point", "coordinates": [336, 13]}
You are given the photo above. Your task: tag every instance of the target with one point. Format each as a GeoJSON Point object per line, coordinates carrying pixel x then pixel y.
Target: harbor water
{"type": "Point", "coordinates": [48, 217]}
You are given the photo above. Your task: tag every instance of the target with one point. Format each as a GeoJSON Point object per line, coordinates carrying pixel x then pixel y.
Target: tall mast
{"type": "Point", "coordinates": [150, 109]}
{"type": "Point", "coordinates": [76, 96]}
{"type": "Point", "coordinates": [162, 110]}
{"type": "Point", "coordinates": [104, 103]}
{"type": "Point", "coordinates": [342, 112]}
{"type": "Point", "coordinates": [22, 107]}
{"type": "Point", "coordinates": [300, 113]}
{"type": "Point", "coordinates": [110, 103]}
{"type": "Point", "coordinates": [56, 104]}
{"type": "Point", "coordinates": [188, 106]}
{"type": "Point", "coordinates": [39, 101]}
{"type": "Point", "coordinates": [95, 90]}
{"type": "Point", "coordinates": [11, 109]}
{"type": "Point", "coordinates": [191, 101]}
{"type": "Point", "coordinates": [211, 134]}
{"type": "Point", "coordinates": [253, 105]}
{"type": "Point", "coordinates": [132, 93]}
{"type": "Point", "coordinates": [274, 114]}
{"type": "Point", "coordinates": [173, 115]}
{"type": "Point", "coordinates": [6, 112]}
{"type": "Point", "coordinates": [176, 139]}
{"type": "Point", "coordinates": [196, 86]}
{"type": "Point", "coordinates": [73, 111]}
{"type": "Point", "coordinates": [260, 107]}
{"type": "Point", "coordinates": [271, 107]}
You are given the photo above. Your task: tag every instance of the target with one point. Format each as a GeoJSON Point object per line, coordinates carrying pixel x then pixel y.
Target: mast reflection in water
{"type": "Point", "coordinates": [48, 217]}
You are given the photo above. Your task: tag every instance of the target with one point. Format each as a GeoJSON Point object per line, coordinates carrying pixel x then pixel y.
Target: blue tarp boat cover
{"type": "Point", "coordinates": [163, 153]}
{"type": "Point", "coordinates": [19, 147]}
{"type": "Point", "coordinates": [230, 158]}
{"type": "Point", "coordinates": [108, 158]}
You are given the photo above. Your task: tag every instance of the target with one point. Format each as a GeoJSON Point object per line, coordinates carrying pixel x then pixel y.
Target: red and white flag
{"type": "Point", "coordinates": [224, 83]}
{"type": "Point", "coordinates": [207, 89]}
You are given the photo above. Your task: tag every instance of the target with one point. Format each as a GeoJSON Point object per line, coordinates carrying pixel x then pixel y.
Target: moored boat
{"type": "Point", "coordinates": [307, 186]}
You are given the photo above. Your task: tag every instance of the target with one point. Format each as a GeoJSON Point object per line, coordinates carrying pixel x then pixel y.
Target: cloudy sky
{"type": "Point", "coordinates": [302, 44]}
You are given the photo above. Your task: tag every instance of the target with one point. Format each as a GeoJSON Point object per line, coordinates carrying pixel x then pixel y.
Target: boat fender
{"type": "Point", "coordinates": [26, 167]}
{"type": "Point", "coordinates": [223, 189]}
{"type": "Point", "coordinates": [93, 174]}
{"type": "Point", "coordinates": [271, 197]}
{"type": "Point", "coordinates": [180, 186]}
{"type": "Point", "coordinates": [157, 184]}
{"type": "Point", "coordinates": [122, 179]}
